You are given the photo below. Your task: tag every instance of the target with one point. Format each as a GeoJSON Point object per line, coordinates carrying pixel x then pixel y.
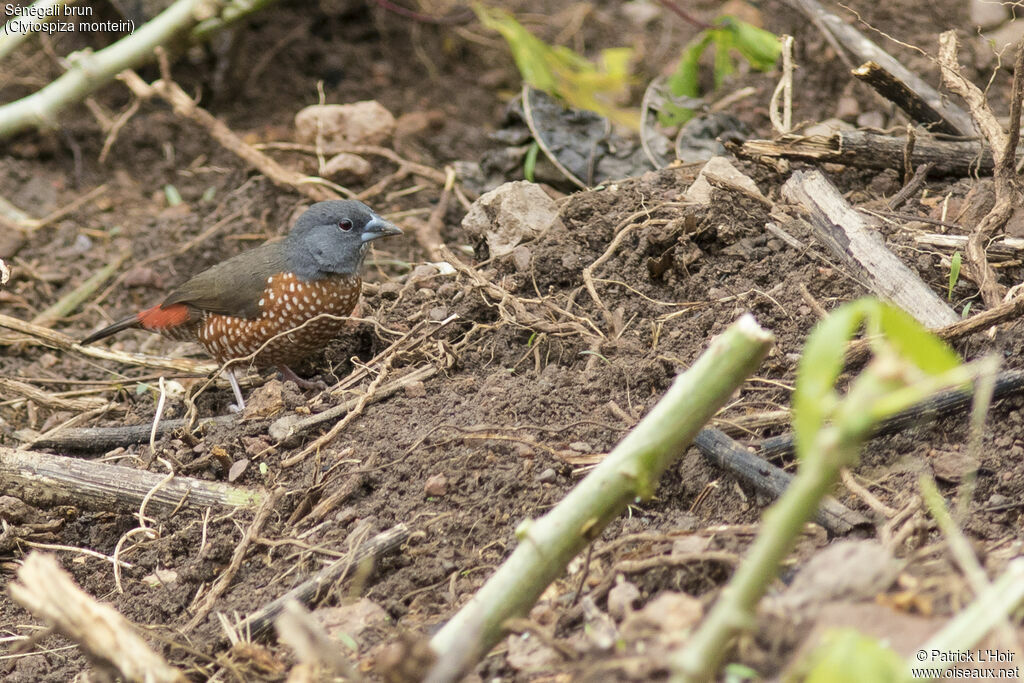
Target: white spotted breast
{"type": "Point", "coordinates": [287, 306]}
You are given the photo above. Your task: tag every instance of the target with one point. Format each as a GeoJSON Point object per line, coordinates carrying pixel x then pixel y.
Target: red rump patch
{"type": "Point", "coordinates": [158, 318]}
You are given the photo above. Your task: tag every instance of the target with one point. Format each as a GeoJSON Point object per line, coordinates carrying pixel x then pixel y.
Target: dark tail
{"type": "Point", "coordinates": [132, 321]}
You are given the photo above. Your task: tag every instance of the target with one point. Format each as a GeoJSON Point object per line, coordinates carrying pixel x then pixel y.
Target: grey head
{"type": "Point", "coordinates": [332, 238]}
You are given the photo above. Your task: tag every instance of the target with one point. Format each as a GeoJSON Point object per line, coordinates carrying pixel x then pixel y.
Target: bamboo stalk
{"type": "Point", "coordinates": [631, 470]}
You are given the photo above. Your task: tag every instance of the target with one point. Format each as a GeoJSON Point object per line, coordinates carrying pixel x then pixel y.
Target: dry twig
{"type": "Point", "coordinates": [222, 582]}
{"type": "Point", "coordinates": [314, 589]}
{"type": "Point", "coordinates": [185, 107]}
{"type": "Point", "coordinates": [62, 341]}
{"type": "Point", "coordinates": [47, 480]}
{"type": "Point", "coordinates": [46, 590]}
{"type": "Point", "coordinates": [1004, 148]}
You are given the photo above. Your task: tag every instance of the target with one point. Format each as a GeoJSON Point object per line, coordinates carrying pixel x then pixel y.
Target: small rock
{"type": "Point", "coordinates": [415, 122]}
{"type": "Point", "coordinates": [47, 360]}
{"type": "Point", "coordinates": [521, 257]}
{"type": "Point", "coordinates": [423, 272]}
{"type": "Point", "coordinates": [640, 12]}
{"type": "Point", "coordinates": [622, 598]}
{"type": "Point", "coordinates": [510, 214]}
{"type": "Point", "coordinates": [951, 466]}
{"type": "Point", "coordinates": [347, 166]}
{"type": "Point", "coordinates": [721, 169]}
{"type": "Point", "coordinates": [14, 510]}
{"type": "Point", "coordinates": [436, 486]}
{"type": "Point", "coordinates": [527, 653]}
{"type": "Point", "coordinates": [524, 451]}
{"type": "Point", "coordinates": [986, 14]}
{"type": "Point", "coordinates": [81, 245]}
{"type": "Point", "coordinates": [871, 119]}
{"type": "Point", "coordinates": [717, 293]}
{"type": "Point", "coordinates": [143, 276]}
{"type": "Point", "coordinates": [547, 476]}
{"type": "Point", "coordinates": [237, 469]}
{"type": "Point", "coordinates": [389, 290]}
{"type": "Point", "coordinates": [447, 290]}
{"type": "Point", "coordinates": [438, 313]}
{"type": "Point", "coordinates": [174, 390]}
{"type": "Point", "coordinates": [253, 445]}
{"type": "Point", "coordinates": [671, 613]}
{"type": "Point", "coordinates": [415, 389]}
{"type": "Point", "coordinates": [160, 577]}
{"type": "Point", "coordinates": [359, 123]}
{"type": "Point", "coordinates": [828, 128]}
{"type": "Point", "coordinates": [692, 543]}
{"type": "Point", "coordinates": [266, 401]}
{"type": "Point", "coordinates": [847, 107]}
{"type": "Point", "coordinates": [580, 447]}
{"type": "Point", "coordinates": [848, 570]}
{"type": "Point", "coordinates": [998, 500]}
{"type": "Point", "coordinates": [351, 620]}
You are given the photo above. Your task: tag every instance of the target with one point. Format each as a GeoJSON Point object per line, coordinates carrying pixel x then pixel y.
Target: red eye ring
{"type": "Point", "coordinates": [345, 224]}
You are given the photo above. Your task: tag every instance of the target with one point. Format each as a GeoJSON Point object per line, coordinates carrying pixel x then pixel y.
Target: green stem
{"type": "Point", "coordinates": [631, 470]}
{"type": "Point", "coordinates": [989, 609]}
{"type": "Point", "coordinates": [780, 528]}
{"type": "Point", "coordinates": [232, 12]}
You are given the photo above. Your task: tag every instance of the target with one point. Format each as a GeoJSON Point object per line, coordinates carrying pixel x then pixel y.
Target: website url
{"type": "Point", "coordinates": [1009, 672]}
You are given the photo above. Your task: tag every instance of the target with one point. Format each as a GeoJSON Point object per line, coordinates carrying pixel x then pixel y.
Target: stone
{"type": "Point", "coordinates": [347, 166]}
{"type": "Point", "coordinates": [509, 215]}
{"type": "Point", "coordinates": [358, 123]}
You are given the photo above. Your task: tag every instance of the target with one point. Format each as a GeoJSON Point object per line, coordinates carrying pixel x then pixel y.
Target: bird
{"type": "Point", "coordinates": [266, 300]}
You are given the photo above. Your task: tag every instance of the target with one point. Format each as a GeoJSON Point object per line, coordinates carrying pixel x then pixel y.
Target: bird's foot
{"type": "Point", "coordinates": [288, 375]}
{"type": "Point", "coordinates": [239, 405]}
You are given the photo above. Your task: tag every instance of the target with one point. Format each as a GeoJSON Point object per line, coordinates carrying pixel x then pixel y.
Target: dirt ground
{"type": "Point", "coordinates": [513, 418]}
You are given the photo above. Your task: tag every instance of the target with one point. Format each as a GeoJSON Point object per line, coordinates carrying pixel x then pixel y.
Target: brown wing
{"type": "Point", "coordinates": [233, 287]}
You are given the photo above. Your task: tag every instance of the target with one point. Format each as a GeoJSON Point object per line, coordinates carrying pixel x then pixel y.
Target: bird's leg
{"type": "Point", "coordinates": [240, 406]}
{"type": "Point", "coordinates": [288, 375]}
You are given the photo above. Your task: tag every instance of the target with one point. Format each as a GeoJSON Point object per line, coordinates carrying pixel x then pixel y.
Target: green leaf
{"type": "Point", "coordinates": [814, 396]}
{"type": "Point", "coordinates": [738, 673]}
{"type": "Point", "coordinates": [760, 48]}
{"type": "Point", "coordinates": [172, 195]}
{"type": "Point", "coordinates": [563, 73]}
{"type": "Point", "coordinates": [847, 656]}
{"type": "Point", "coordinates": [723, 60]}
{"type": "Point", "coordinates": [954, 273]}
{"type": "Point", "coordinates": [922, 348]}
{"type": "Point", "coordinates": [530, 162]}
{"type": "Point", "coordinates": [685, 81]}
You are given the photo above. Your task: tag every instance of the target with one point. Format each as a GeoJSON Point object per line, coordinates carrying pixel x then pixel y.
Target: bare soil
{"type": "Point", "coordinates": [513, 418]}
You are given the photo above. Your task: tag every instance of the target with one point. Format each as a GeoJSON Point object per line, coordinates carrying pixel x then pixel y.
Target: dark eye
{"type": "Point", "coordinates": [345, 224]}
